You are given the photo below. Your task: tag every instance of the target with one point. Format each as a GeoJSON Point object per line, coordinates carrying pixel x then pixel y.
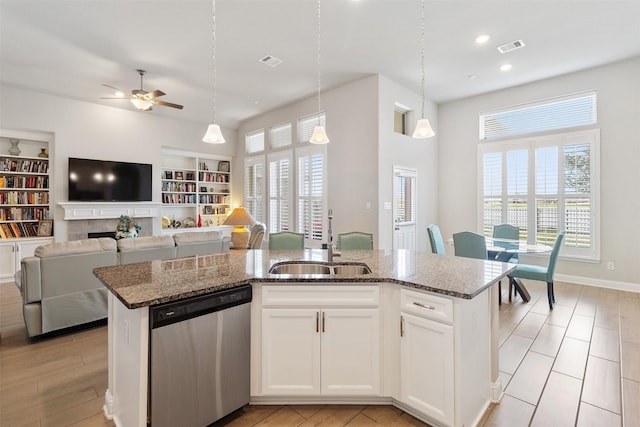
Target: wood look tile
{"type": "Point", "coordinates": [558, 405]}
{"type": "Point", "coordinates": [512, 352]}
{"type": "Point", "coordinates": [605, 344]}
{"type": "Point", "coordinates": [384, 415]}
{"type": "Point", "coordinates": [307, 411]}
{"type": "Point", "coordinates": [630, 363]}
{"type": "Point", "coordinates": [529, 380]}
{"type": "Point", "coordinates": [505, 379]}
{"type": "Point", "coordinates": [580, 327]}
{"type": "Point", "coordinates": [602, 384]}
{"type": "Point", "coordinates": [335, 415]}
{"type": "Point", "coordinates": [510, 412]}
{"type": "Point", "coordinates": [631, 404]}
{"type": "Point", "coordinates": [629, 330]}
{"type": "Point", "coordinates": [530, 325]}
{"type": "Point", "coordinates": [607, 317]}
{"type": "Point", "coordinates": [250, 415]}
{"type": "Point", "coordinates": [586, 307]}
{"type": "Point", "coordinates": [592, 416]}
{"type": "Point", "coordinates": [548, 340]}
{"type": "Point", "coordinates": [362, 420]}
{"type": "Point", "coordinates": [283, 417]}
{"type": "Point", "coordinates": [560, 315]}
{"type": "Point", "coordinates": [572, 358]}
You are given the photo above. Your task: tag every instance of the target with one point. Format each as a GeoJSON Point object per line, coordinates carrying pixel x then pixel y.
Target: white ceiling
{"type": "Point", "coordinates": [69, 48]}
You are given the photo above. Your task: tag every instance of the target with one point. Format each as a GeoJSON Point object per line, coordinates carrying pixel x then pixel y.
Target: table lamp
{"type": "Point", "coordinates": [240, 218]}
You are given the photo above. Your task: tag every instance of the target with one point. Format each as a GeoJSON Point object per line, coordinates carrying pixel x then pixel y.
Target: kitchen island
{"type": "Point", "coordinates": [447, 377]}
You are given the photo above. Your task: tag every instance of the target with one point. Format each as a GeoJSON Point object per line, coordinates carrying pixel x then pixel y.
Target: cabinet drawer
{"type": "Point", "coordinates": [318, 295]}
{"type": "Point", "coordinates": [426, 305]}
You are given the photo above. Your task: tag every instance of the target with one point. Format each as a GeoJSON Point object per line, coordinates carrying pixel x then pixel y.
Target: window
{"type": "Point", "coordinates": [307, 124]}
{"type": "Point", "coordinates": [310, 195]}
{"type": "Point", "coordinates": [254, 142]}
{"type": "Point", "coordinates": [280, 184]}
{"type": "Point", "coordinates": [400, 120]}
{"type": "Point", "coordinates": [552, 114]}
{"type": "Point", "coordinates": [544, 185]}
{"type": "Point", "coordinates": [280, 136]}
{"type": "Point", "coordinates": [254, 187]}
{"type": "Point", "coordinates": [405, 198]}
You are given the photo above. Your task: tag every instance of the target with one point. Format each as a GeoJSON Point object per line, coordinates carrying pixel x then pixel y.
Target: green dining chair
{"type": "Point", "coordinates": [286, 240]}
{"type": "Point", "coordinates": [543, 274]}
{"type": "Point", "coordinates": [508, 232]}
{"type": "Point", "coordinates": [470, 245]}
{"type": "Point", "coordinates": [435, 238]}
{"type": "Point", "coordinates": [355, 240]}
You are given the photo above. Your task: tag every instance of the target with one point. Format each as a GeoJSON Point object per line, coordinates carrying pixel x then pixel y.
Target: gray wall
{"type": "Point", "coordinates": [618, 89]}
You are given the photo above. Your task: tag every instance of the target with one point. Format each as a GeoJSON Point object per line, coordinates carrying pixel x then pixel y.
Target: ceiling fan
{"type": "Point", "coordinates": [142, 99]}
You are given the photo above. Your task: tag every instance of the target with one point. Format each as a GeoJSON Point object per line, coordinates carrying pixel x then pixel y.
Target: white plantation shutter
{"type": "Point", "coordinates": [405, 199]}
{"type": "Point", "coordinates": [280, 184]}
{"type": "Point", "coordinates": [307, 124]}
{"type": "Point", "coordinates": [280, 136]}
{"type": "Point", "coordinates": [254, 187]}
{"type": "Point", "coordinates": [310, 195]}
{"type": "Point", "coordinates": [547, 186]}
{"type": "Point", "coordinates": [552, 114]}
{"type": "Point", "coordinates": [254, 142]}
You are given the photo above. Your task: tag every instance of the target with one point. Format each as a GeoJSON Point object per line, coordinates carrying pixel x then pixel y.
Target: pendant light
{"type": "Point", "coordinates": [319, 134]}
{"type": "Point", "coordinates": [423, 127]}
{"type": "Point", "coordinates": [214, 134]}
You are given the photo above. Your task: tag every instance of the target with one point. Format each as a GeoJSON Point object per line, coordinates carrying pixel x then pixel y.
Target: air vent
{"type": "Point", "coordinates": [508, 47]}
{"type": "Point", "coordinates": [271, 61]}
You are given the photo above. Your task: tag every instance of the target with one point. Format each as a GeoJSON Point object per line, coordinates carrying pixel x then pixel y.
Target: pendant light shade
{"type": "Point", "coordinates": [319, 133]}
{"type": "Point", "coordinates": [319, 136]}
{"type": "Point", "coordinates": [214, 134]}
{"type": "Point", "coordinates": [423, 127]}
{"type": "Point", "coordinates": [423, 130]}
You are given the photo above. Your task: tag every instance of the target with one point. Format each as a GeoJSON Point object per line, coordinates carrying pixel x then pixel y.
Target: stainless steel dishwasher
{"type": "Point", "coordinates": [199, 358]}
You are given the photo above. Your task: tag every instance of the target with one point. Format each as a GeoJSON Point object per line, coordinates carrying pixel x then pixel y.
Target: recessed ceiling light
{"type": "Point", "coordinates": [482, 39]}
{"type": "Point", "coordinates": [506, 67]}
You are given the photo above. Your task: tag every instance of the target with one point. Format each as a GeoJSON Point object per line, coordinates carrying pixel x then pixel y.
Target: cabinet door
{"type": "Point", "coordinates": [7, 261]}
{"type": "Point", "coordinates": [350, 351]}
{"type": "Point", "coordinates": [290, 351]}
{"type": "Point", "coordinates": [426, 371]}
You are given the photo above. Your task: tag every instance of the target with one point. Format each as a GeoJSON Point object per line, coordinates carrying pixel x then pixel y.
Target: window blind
{"type": "Point", "coordinates": [254, 142]}
{"type": "Point", "coordinates": [254, 187]}
{"type": "Point", "coordinates": [307, 124]}
{"type": "Point", "coordinates": [311, 183]}
{"type": "Point", "coordinates": [280, 136]}
{"type": "Point", "coordinates": [405, 199]}
{"type": "Point", "coordinates": [279, 192]}
{"type": "Point", "coordinates": [552, 114]}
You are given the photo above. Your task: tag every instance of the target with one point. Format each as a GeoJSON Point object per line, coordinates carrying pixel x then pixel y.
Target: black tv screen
{"type": "Point", "coordinates": [109, 181]}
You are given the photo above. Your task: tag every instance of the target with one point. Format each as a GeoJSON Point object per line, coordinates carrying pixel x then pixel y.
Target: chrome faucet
{"type": "Point", "coordinates": [330, 252]}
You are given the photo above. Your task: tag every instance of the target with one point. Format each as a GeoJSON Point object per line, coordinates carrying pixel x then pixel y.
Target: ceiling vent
{"type": "Point", "coordinates": [271, 61]}
{"type": "Point", "coordinates": [508, 47]}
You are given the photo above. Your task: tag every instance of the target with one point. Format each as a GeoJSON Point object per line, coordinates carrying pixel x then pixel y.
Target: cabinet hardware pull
{"type": "Point", "coordinates": [419, 304]}
{"type": "Point", "coordinates": [323, 321]}
{"type": "Point", "coordinates": [401, 326]}
{"type": "Point", "coordinates": [317, 321]}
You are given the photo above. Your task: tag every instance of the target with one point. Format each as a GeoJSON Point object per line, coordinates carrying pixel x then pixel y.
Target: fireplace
{"type": "Point", "coordinates": [99, 234]}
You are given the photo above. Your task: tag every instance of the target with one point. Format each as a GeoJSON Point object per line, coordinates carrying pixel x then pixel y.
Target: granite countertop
{"type": "Point", "coordinates": [155, 282]}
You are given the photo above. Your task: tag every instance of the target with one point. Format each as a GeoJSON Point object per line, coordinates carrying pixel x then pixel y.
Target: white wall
{"type": "Point", "coordinates": [87, 130]}
{"type": "Point", "coordinates": [618, 89]}
{"type": "Point", "coordinates": [401, 150]}
{"type": "Point", "coordinates": [352, 127]}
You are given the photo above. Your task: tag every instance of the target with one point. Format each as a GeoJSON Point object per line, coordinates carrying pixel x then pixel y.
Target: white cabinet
{"type": "Point", "coordinates": [426, 370]}
{"type": "Point", "coordinates": [12, 252]}
{"type": "Point", "coordinates": [321, 349]}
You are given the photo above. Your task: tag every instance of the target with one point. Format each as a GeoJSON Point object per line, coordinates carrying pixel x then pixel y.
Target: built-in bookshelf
{"type": "Point", "coordinates": [194, 186]}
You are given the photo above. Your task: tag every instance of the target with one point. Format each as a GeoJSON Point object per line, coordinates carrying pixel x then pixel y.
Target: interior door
{"type": "Point", "coordinates": [404, 207]}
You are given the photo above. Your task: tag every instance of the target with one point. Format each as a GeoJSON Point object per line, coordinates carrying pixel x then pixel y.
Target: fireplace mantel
{"type": "Point", "coordinates": [106, 210]}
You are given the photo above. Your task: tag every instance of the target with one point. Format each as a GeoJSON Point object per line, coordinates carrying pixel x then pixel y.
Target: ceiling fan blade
{"type": "Point", "coordinates": [118, 89]}
{"type": "Point", "coordinates": [154, 94]}
{"type": "Point", "coordinates": [125, 98]}
{"type": "Point", "coordinates": [167, 104]}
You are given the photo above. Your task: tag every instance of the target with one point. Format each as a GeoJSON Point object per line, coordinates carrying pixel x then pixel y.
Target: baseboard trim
{"type": "Point", "coordinates": [496, 391]}
{"type": "Point", "coordinates": [609, 284]}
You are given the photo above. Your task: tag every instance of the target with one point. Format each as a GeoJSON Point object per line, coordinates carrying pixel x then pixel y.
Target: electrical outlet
{"type": "Point", "coordinates": [611, 266]}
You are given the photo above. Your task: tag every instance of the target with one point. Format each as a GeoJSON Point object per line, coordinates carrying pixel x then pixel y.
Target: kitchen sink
{"type": "Point", "coordinates": [319, 268]}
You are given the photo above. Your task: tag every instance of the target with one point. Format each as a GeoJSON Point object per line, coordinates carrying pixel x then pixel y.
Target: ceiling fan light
{"type": "Point", "coordinates": [319, 136]}
{"type": "Point", "coordinates": [141, 104]}
{"type": "Point", "coordinates": [213, 135]}
{"type": "Point", "coordinates": [423, 130]}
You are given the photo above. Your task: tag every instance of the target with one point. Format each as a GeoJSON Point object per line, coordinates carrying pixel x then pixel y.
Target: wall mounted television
{"type": "Point", "coordinates": [109, 181]}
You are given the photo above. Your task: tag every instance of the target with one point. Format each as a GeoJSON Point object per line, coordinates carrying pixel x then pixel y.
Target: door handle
{"type": "Point", "coordinates": [317, 321]}
{"type": "Point", "coordinates": [401, 326]}
{"type": "Point", "coordinates": [323, 321]}
{"type": "Point", "coordinates": [419, 304]}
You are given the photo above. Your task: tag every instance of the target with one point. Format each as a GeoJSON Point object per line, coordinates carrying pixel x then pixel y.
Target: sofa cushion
{"type": "Point", "coordinates": [196, 236]}
{"type": "Point", "coordinates": [76, 247]}
{"type": "Point", "coordinates": [146, 242]}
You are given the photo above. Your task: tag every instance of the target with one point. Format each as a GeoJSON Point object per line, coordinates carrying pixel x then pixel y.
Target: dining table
{"type": "Point", "coordinates": [504, 250]}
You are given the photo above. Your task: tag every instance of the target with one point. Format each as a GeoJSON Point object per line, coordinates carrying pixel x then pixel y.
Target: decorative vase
{"type": "Point", "coordinates": [43, 153]}
{"type": "Point", "coordinates": [199, 221]}
{"type": "Point", "coordinates": [14, 150]}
